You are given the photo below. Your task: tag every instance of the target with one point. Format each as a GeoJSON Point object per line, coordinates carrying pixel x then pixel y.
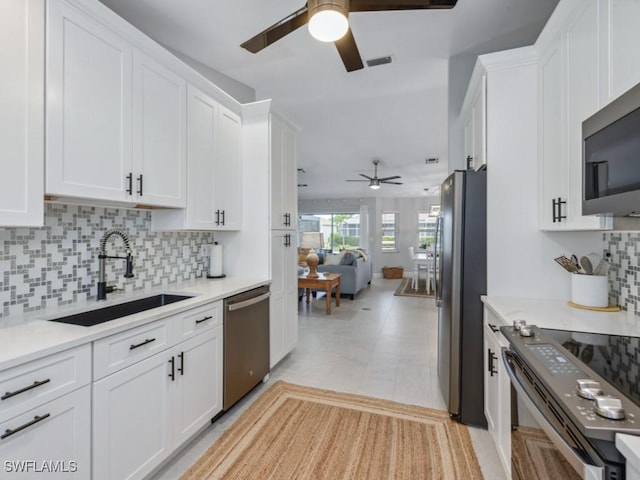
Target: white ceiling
{"type": "Point", "coordinates": [397, 113]}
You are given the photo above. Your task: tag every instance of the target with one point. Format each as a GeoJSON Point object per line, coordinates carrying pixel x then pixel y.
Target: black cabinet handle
{"type": "Point", "coordinates": [490, 358]}
{"type": "Point", "coordinates": [287, 240]}
{"type": "Point", "coordinates": [493, 327]}
{"type": "Point", "coordinates": [556, 204]}
{"type": "Point", "coordinates": [130, 180]}
{"type": "Point", "coordinates": [222, 217]}
{"type": "Point", "coordinates": [172, 375]}
{"type": "Point", "coordinates": [147, 341]}
{"type": "Point", "coordinates": [140, 185]}
{"type": "Point", "coordinates": [181, 367]}
{"type": "Point", "coordinates": [25, 389]}
{"type": "Point", "coordinates": [10, 431]}
{"type": "Point", "coordinates": [209, 317]}
{"type": "Point", "coordinates": [469, 162]}
{"type": "Point", "coordinates": [217, 217]}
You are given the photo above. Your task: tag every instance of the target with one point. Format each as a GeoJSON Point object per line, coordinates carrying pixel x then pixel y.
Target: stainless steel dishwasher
{"type": "Point", "coordinates": [246, 343]}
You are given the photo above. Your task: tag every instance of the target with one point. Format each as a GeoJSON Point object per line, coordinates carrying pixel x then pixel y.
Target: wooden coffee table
{"type": "Point", "coordinates": [326, 282]}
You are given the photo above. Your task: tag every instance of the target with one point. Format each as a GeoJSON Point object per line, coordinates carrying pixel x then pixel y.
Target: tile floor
{"type": "Point", "coordinates": [378, 345]}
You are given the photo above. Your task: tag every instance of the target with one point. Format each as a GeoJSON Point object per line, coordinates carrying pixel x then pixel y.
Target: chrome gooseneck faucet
{"type": "Point", "coordinates": [102, 257]}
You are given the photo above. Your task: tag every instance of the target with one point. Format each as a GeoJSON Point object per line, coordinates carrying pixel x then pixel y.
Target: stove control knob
{"type": "Point", "coordinates": [518, 323]}
{"type": "Point", "coordinates": [609, 407]}
{"type": "Point", "coordinates": [526, 331]}
{"type": "Point", "coordinates": [589, 389]}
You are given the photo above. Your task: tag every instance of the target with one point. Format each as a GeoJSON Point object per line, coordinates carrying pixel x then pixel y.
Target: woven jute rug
{"type": "Point", "coordinates": [294, 432]}
{"type": "Point", "coordinates": [405, 289]}
{"type": "Point", "coordinates": [535, 457]}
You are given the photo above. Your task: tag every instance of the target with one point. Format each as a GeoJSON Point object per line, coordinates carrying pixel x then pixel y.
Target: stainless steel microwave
{"type": "Point", "coordinates": [611, 157]}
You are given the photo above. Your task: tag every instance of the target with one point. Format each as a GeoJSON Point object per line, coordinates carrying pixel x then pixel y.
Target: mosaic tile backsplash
{"type": "Point", "coordinates": [58, 263]}
{"type": "Point", "coordinates": [622, 249]}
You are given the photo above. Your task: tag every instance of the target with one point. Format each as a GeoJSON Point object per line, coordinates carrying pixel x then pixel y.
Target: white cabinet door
{"type": "Point", "coordinates": [620, 37]}
{"type": "Point", "coordinates": [284, 190]}
{"type": "Point", "coordinates": [227, 191]}
{"type": "Point", "coordinates": [198, 396]}
{"type": "Point", "coordinates": [57, 433]}
{"type": "Point", "coordinates": [480, 126]}
{"type": "Point", "coordinates": [159, 134]}
{"type": "Point", "coordinates": [491, 405]}
{"type": "Point", "coordinates": [22, 113]}
{"type": "Point", "coordinates": [283, 304]}
{"type": "Point", "coordinates": [553, 170]}
{"type": "Point", "coordinates": [88, 107]}
{"type": "Point", "coordinates": [132, 419]}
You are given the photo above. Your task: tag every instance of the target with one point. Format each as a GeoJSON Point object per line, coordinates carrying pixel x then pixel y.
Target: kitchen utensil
{"type": "Point", "coordinates": [576, 264]}
{"type": "Point", "coordinates": [566, 263]}
{"type": "Point", "coordinates": [586, 265]}
{"type": "Point", "coordinates": [587, 354]}
{"type": "Point", "coordinates": [602, 268]}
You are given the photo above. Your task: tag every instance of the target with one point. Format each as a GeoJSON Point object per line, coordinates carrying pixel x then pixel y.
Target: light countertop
{"type": "Point", "coordinates": [30, 336]}
{"type": "Point", "coordinates": [559, 315]}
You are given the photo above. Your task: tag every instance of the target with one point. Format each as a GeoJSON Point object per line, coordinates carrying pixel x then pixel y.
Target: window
{"type": "Point", "coordinates": [426, 229]}
{"type": "Point", "coordinates": [389, 231]}
{"type": "Point", "coordinates": [341, 230]}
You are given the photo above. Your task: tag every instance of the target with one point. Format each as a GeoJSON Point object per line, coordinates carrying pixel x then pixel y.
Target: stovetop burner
{"type": "Point", "coordinates": [616, 358]}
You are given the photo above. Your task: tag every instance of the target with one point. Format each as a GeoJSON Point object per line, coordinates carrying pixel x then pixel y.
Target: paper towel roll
{"type": "Point", "coordinates": [215, 261]}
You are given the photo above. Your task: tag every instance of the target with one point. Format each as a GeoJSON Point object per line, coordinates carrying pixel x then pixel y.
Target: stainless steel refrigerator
{"type": "Point", "coordinates": [461, 246]}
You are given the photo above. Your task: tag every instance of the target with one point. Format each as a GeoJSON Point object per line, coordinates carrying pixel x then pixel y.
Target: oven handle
{"type": "Point", "coordinates": [587, 471]}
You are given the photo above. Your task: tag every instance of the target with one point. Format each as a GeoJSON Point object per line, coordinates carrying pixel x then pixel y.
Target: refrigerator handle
{"type": "Point", "coordinates": [437, 272]}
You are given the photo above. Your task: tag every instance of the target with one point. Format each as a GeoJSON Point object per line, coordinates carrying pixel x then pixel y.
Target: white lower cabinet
{"type": "Point", "coordinates": [52, 440]}
{"type": "Point", "coordinates": [497, 390]}
{"type": "Point", "coordinates": [144, 412]}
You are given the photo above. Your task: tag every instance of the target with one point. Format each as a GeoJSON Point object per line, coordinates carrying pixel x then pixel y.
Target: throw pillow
{"type": "Point", "coordinates": [333, 259]}
{"type": "Point", "coordinates": [348, 259]}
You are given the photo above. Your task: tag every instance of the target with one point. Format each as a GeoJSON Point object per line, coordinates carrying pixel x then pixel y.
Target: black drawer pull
{"type": "Point", "coordinates": [25, 389]}
{"type": "Point", "coordinates": [493, 327]}
{"type": "Point", "coordinates": [204, 319]}
{"type": "Point", "coordinates": [140, 184]}
{"type": "Point", "coordinates": [148, 340]}
{"type": "Point", "coordinates": [181, 367]}
{"type": "Point", "coordinates": [222, 221]}
{"type": "Point", "coordinates": [130, 180]}
{"type": "Point", "coordinates": [172, 361]}
{"type": "Point", "coordinates": [8, 432]}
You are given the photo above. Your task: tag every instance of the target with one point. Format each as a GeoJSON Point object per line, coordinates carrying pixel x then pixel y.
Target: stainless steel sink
{"type": "Point", "coordinates": [101, 315]}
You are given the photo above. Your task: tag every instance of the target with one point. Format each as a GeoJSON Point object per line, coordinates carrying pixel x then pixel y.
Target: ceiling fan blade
{"type": "Point", "coordinates": [349, 53]}
{"type": "Point", "coordinates": [365, 176]}
{"type": "Point", "coordinates": [391, 183]}
{"type": "Point", "coordinates": [382, 5]}
{"type": "Point", "coordinates": [389, 178]}
{"type": "Point", "coordinates": [278, 30]}
{"type": "Point", "coordinates": [357, 180]}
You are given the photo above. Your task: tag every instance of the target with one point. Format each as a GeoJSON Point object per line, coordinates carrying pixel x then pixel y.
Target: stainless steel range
{"type": "Point", "coordinates": [577, 406]}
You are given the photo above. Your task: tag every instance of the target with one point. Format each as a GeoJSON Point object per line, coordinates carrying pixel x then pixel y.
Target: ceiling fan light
{"type": "Point", "coordinates": [328, 19]}
{"type": "Point", "coordinates": [374, 185]}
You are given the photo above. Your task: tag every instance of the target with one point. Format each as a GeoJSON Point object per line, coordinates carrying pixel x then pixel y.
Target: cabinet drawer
{"type": "Point", "coordinates": [26, 386]}
{"type": "Point", "coordinates": [113, 353]}
{"type": "Point", "coordinates": [198, 320]}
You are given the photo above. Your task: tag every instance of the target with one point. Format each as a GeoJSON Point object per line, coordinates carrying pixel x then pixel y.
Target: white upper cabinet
{"type": "Point", "coordinates": [88, 120]}
{"type": "Point", "coordinates": [159, 133]}
{"type": "Point", "coordinates": [227, 190]}
{"type": "Point", "coordinates": [284, 188]}
{"type": "Point", "coordinates": [214, 169]}
{"type": "Point", "coordinates": [115, 118]}
{"type": "Point", "coordinates": [568, 94]}
{"type": "Point", "coordinates": [22, 50]}
{"type": "Point", "coordinates": [620, 37]}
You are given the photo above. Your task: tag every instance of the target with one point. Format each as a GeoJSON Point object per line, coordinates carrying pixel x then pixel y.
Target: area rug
{"type": "Point", "coordinates": [534, 457]}
{"type": "Point", "coordinates": [308, 433]}
{"type": "Point", "coordinates": [405, 289]}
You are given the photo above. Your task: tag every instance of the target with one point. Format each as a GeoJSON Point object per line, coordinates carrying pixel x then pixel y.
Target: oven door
{"type": "Point", "coordinates": [566, 438]}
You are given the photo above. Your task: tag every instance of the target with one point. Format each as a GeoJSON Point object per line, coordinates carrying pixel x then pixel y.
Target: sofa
{"type": "Point", "coordinates": [356, 274]}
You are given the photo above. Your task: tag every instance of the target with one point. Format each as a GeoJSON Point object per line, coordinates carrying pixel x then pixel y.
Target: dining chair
{"type": "Point", "coordinates": [417, 267]}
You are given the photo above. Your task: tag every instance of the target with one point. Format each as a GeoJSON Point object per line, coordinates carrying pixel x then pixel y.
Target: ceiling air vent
{"type": "Point", "coordinates": [429, 161]}
{"type": "Point", "coordinates": [374, 62]}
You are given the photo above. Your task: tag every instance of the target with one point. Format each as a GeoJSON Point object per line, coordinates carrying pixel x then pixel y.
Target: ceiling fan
{"type": "Point", "coordinates": [328, 22]}
{"type": "Point", "coordinates": [375, 182]}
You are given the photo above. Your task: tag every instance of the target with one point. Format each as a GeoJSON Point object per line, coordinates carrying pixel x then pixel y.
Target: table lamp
{"type": "Point", "coordinates": [312, 240]}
